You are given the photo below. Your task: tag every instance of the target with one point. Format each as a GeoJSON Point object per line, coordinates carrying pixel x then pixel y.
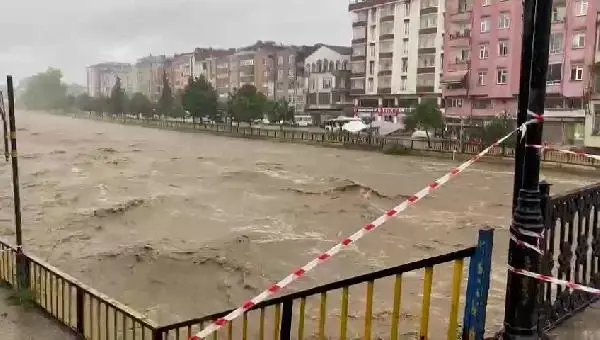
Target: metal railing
{"type": "Point", "coordinates": [87, 312]}
{"type": "Point", "coordinates": [571, 252]}
{"type": "Point", "coordinates": [288, 316]}
{"type": "Point", "coordinates": [347, 140]}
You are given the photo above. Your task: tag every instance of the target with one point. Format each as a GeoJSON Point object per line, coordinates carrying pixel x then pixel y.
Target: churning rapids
{"type": "Point", "coordinates": [181, 225]}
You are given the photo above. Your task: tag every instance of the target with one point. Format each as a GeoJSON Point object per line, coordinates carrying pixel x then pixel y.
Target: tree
{"type": "Point", "coordinates": [279, 111]}
{"type": "Point", "coordinates": [247, 104]}
{"type": "Point", "coordinates": [166, 101]}
{"type": "Point", "coordinates": [84, 102]}
{"type": "Point", "coordinates": [139, 103]}
{"type": "Point", "coordinates": [495, 129]}
{"type": "Point", "coordinates": [200, 99]}
{"type": "Point", "coordinates": [45, 91]}
{"type": "Point", "coordinates": [117, 98]}
{"type": "Point", "coordinates": [426, 116]}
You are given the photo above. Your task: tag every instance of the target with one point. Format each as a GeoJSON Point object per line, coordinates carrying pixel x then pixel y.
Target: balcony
{"type": "Point", "coordinates": [360, 19]}
{"type": "Point", "coordinates": [455, 83]}
{"type": "Point", "coordinates": [459, 39]}
{"type": "Point", "coordinates": [425, 89]}
{"type": "Point", "coordinates": [386, 36]}
{"type": "Point", "coordinates": [462, 15]}
{"type": "Point", "coordinates": [359, 40]}
{"type": "Point", "coordinates": [384, 90]}
{"type": "Point", "coordinates": [387, 16]}
{"type": "Point", "coordinates": [386, 55]}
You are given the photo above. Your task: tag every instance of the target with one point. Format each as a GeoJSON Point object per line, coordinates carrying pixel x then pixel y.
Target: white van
{"type": "Point", "coordinates": [304, 120]}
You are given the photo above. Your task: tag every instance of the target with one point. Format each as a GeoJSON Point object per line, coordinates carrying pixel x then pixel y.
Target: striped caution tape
{"type": "Point", "coordinates": [555, 281]}
{"type": "Point", "coordinates": [277, 287]}
{"type": "Point", "coordinates": [569, 152]}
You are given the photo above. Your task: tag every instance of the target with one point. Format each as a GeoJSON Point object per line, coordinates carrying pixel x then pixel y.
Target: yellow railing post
{"type": "Point", "coordinates": [427, 285]}
{"type": "Point", "coordinates": [456, 283]}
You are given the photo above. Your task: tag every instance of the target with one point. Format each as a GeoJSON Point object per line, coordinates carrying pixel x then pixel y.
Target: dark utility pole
{"type": "Point", "coordinates": [521, 312]}
{"type": "Point", "coordinates": [22, 261]}
{"type": "Point", "coordinates": [523, 103]}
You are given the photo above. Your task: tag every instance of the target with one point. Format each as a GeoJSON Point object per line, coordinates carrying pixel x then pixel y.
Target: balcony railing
{"type": "Point", "coordinates": [459, 34]}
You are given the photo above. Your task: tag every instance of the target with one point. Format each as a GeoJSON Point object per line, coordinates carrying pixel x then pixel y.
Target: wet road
{"type": "Point", "coordinates": [179, 225]}
{"type": "Point", "coordinates": [19, 323]}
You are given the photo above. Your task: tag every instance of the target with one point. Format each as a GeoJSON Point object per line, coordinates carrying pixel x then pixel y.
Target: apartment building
{"type": "Point", "coordinates": [482, 67]}
{"type": "Point", "coordinates": [592, 120]}
{"type": "Point", "coordinates": [327, 83]}
{"type": "Point", "coordinates": [149, 74]}
{"type": "Point", "coordinates": [179, 71]}
{"type": "Point", "coordinates": [397, 54]}
{"type": "Point", "coordinates": [101, 78]}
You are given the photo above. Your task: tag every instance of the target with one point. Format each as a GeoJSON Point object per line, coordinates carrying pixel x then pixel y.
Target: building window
{"type": "Point", "coordinates": [503, 48]}
{"type": "Point", "coordinates": [504, 20]}
{"type": "Point", "coordinates": [579, 40]}
{"type": "Point", "coordinates": [485, 24]}
{"type": "Point", "coordinates": [502, 76]}
{"type": "Point", "coordinates": [407, 8]}
{"type": "Point", "coordinates": [454, 102]}
{"type": "Point", "coordinates": [291, 73]}
{"type": "Point", "coordinates": [371, 67]}
{"type": "Point", "coordinates": [404, 65]}
{"type": "Point", "coordinates": [403, 81]}
{"type": "Point", "coordinates": [427, 40]}
{"type": "Point", "coordinates": [463, 55]}
{"type": "Point", "coordinates": [372, 50]}
{"type": "Point", "coordinates": [428, 3]}
{"type": "Point", "coordinates": [280, 60]}
{"type": "Point", "coordinates": [429, 20]}
{"type": "Point", "coordinates": [554, 75]}
{"type": "Point", "coordinates": [577, 72]}
{"type": "Point", "coordinates": [558, 14]}
{"type": "Point", "coordinates": [481, 76]}
{"type": "Point", "coordinates": [406, 27]}
{"type": "Point", "coordinates": [485, 3]}
{"type": "Point", "coordinates": [326, 83]}
{"type": "Point", "coordinates": [482, 104]}
{"type": "Point", "coordinates": [483, 51]}
{"type": "Point", "coordinates": [370, 85]}
{"type": "Point", "coordinates": [581, 7]}
{"type": "Point", "coordinates": [405, 46]}
{"type": "Point", "coordinates": [291, 60]}
{"type": "Point", "coordinates": [556, 42]}
{"type": "Point", "coordinates": [426, 60]}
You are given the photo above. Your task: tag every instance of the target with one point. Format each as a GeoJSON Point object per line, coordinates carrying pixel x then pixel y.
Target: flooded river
{"type": "Point", "coordinates": [180, 225]}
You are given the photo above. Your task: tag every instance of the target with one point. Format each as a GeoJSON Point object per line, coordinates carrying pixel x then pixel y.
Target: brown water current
{"type": "Point", "coordinates": [180, 225]}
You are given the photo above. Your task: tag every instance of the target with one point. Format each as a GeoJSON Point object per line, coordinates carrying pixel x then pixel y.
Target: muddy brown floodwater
{"type": "Point", "coordinates": [181, 225]}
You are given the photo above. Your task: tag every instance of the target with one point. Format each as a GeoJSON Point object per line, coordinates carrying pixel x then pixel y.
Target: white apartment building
{"type": "Point", "coordinates": [102, 77]}
{"type": "Point", "coordinates": [397, 54]}
{"type": "Point", "coordinates": [327, 83]}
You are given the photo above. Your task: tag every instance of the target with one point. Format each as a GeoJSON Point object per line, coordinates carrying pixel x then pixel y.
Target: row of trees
{"type": "Point", "coordinates": [198, 100]}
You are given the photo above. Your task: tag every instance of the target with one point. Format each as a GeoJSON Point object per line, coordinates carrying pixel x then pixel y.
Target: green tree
{"type": "Point", "coordinates": [100, 105]}
{"type": "Point", "coordinates": [200, 99]}
{"type": "Point", "coordinates": [117, 99]}
{"type": "Point", "coordinates": [247, 104]}
{"type": "Point", "coordinates": [166, 100]}
{"type": "Point", "coordinates": [495, 129]}
{"type": "Point", "coordinates": [139, 103]}
{"type": "Point", "coordinates": [425, 116]}
{"type": "Point", "coordinates": [45, 91]}
{"type": "Point", "coordinates": [279, 111]}
{"type": "Point", "coordinates": [84, 102]}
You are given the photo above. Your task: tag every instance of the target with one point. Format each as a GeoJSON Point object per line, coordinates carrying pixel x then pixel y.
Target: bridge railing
{"type": "Point", "coordinates": [571, 252]}
{"type": "Point", "coordinates": [289, 316]}
{"type": "Point", "coordinates": [87, 312]}
{"type": "Point", "coordinates": [349, 140]}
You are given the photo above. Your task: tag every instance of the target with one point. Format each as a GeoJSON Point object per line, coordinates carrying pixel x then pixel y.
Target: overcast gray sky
{"type": "Point", "coordinates": [71, 34]}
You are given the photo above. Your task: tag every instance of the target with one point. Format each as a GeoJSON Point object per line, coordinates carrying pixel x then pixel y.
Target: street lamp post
{"type": "Point", "coordinates": [521, 312]}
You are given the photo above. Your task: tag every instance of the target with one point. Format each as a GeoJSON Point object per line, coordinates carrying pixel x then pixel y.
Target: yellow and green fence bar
{"type": "Point", "coordinates": [286, 324]}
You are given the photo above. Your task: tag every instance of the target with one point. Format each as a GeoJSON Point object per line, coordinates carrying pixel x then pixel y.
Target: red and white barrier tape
{"type": "Point", "coordinates": [275, 288]}
{"type": "Point", "coordinates": [577, 153]}
{"type": "Point", "coordinates": [527, 245]}
{"type": "Point", "coordinates": [553, 280]}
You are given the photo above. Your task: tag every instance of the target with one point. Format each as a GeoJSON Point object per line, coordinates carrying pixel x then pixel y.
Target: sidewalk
{"type": "Point", "coordinates": [18, 323]}
{"type": "Point", "coordinates": [583, 326]}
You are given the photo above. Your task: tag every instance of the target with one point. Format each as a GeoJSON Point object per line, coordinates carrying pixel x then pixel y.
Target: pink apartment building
{"type": "Point", "coordinates": [482, 64]}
